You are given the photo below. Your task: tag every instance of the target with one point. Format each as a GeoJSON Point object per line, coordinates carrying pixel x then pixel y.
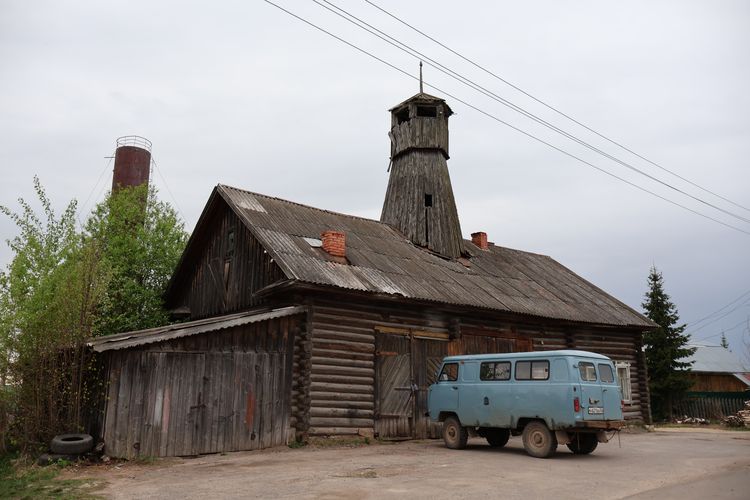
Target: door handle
{"type": "Point", "coordinates": [486, 400]}
{"type": "Point", "coordinates": [455, 387]}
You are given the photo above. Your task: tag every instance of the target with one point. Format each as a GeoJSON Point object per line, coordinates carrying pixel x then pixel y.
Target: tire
{"type": "Point", "coordinates": [497, 438]}
{"type": "Point", "coordinates": [454, 434]}
{"type": "Point", "coordinates": [538, 441]}
{"type": "Point", "coordinates": [71, 444]}
{"type": "Point", "coordinates": [583, 443]}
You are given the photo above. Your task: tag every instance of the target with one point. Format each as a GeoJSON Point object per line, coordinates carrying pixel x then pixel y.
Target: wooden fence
{"type": "Point", "coordinates": [711, 405]}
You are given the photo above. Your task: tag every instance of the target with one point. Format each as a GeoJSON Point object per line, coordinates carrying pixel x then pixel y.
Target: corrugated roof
{"type": "Point", "coordinates": [382, 260]}
{"type": "Point", "coordinates": [169, 332]}
{"type": "Point", "coordinates": [715, 359]}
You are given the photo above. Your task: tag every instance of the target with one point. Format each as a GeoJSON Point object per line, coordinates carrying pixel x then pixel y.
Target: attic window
{"type": "Point", "coordinates": [402, 116]}
{"type": "Point", "coordinates": [428, 111]}
{"type": "Point", "coordinates": [427, 200]}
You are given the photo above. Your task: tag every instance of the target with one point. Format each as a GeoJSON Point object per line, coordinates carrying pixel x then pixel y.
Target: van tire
{"type": "Point", "coordinates": [583, 443]}
{"type": "Point", "coordinates": [71, 444]}
{"type": "Point", "coordinates": [538, 441]}
{"type": "Point", "coordinates": [497, 438]}
{"type": "Point", "coordinates": [454, 434]}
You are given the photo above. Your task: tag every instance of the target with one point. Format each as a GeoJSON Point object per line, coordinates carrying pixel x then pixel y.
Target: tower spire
{"type": "Point", "coordinates": [421, 88]}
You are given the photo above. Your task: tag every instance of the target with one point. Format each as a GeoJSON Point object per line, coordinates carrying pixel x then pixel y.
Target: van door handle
{"type": "Point", "coordinates": [486, 400]}
{"type": "Point", "coordinates": [455, 387]}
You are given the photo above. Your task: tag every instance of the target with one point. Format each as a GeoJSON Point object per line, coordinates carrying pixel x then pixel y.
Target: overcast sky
{"type": "Point", "coordinates": [241, 93]}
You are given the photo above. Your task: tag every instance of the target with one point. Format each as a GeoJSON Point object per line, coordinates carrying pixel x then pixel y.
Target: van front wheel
{"type": "Point", "coordinates": [454, 434]}
{"type": "Point", "coordinates": [538, 441]}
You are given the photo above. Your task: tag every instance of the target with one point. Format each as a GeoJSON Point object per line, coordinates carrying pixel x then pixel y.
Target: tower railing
{"type": "Point", "coordinates": [134, 140]}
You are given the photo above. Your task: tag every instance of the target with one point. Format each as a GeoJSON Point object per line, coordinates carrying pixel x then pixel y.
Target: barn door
{"type": "Point", "coordinates": [427, 355]}
{"type": "Point", "coordinates": [394, 416]}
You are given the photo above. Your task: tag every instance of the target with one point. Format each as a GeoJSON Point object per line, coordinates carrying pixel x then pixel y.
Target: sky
{"type": "Point", "coordinates": [243, 94]}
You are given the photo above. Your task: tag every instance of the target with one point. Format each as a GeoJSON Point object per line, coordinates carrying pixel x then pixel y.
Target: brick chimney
{"type": "Point", "coordinates": [334, 242]}
{"type": "Point", "coordinates": [480, 240]}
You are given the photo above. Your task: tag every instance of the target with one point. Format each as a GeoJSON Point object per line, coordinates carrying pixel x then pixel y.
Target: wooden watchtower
{"type": "Point", "coordinates": [419, 200]}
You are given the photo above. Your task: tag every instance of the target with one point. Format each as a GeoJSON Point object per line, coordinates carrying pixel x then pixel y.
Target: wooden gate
{"type": "Point", "coordinates": [406, 365]}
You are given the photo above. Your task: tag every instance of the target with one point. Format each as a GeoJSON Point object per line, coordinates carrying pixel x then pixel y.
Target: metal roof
{"type": "Point", "coordinates": [382, 260]}
{"type": "Point", "coordinates": [715, 359]}
{"type": "Point", "coordinates": [169, 332]}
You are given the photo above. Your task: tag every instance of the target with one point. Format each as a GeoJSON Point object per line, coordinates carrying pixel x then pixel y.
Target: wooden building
{"type": "Point", "coordinates": [306, 322]}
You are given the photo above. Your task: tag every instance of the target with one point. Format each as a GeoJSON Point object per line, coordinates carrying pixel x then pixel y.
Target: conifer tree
{"type": "Point", "coordinates": [666, 347]}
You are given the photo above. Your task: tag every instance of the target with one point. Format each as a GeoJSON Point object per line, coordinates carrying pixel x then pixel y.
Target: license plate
{"type": "Point", "coordinates": [595, 410]}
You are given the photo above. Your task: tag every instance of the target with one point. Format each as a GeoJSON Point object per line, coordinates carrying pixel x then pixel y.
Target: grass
{"type": "Point", "coordinates": [339, 442]}
{"type": "Point", "coordinates": [24, 481]}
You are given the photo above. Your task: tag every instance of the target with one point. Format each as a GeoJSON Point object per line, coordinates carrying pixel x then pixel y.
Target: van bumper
{"type": "Point", "coordinates": [606, 425]}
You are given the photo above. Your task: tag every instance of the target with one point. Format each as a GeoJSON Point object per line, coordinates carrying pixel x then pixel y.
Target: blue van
{"type": "Point", "coordinates": [550, 397]}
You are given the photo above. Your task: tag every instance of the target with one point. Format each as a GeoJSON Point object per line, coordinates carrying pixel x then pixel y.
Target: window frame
{"type": "Point", "coordinates": [581, 375]}
{"type": "Point", "coordinates": [611, 372]}
{"type": "Point", "coordinates": [531, 362]}
{"type": "Point", "coordinates": [627, 397]}
{"type": "Point", "coordinates": [442, 370]}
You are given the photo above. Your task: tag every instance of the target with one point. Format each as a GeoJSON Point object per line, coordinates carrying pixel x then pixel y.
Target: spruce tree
{"type": "Point", "coordinates": [666, 347]}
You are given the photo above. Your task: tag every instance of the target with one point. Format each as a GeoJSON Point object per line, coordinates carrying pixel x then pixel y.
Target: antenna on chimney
{"type": "Point", "coordinates": [421, 89]}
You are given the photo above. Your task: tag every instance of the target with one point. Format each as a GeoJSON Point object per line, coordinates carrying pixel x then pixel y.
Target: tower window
{"type": "Point", "coordinates": [402, 116]}
{"type": "Point", "coordinates": [428, 111]}
{"type": "Point", "coordinates": [427, 200]}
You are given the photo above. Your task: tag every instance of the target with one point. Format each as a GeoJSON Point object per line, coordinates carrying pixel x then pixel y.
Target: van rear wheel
{"type": "Point", "coordinates": [454, 434]}
{"type": "Point", "coordinates": [538, 441]}
{"type": "Point", "coordinates": [583, 443]}
{"type": "Point", "coordinates": [497, 438]}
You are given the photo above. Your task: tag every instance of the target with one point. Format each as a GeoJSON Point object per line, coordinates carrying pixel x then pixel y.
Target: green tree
{"type": "Point", "coordinates": [141, 239]}
{"type": "Point", "coordinates": [666, 346]}
{"type": "Point", "coordinates": [724, 342]}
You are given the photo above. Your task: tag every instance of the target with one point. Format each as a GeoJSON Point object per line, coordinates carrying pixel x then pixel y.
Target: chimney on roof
{"type": "Point", "coordinates": [334, 242]}
{"type": "Point", "coordinates": [132, 162]}
{"type": "Point", "coordinates": [419, 200]}
{"type": "Point", "coordinates": [480, 240]}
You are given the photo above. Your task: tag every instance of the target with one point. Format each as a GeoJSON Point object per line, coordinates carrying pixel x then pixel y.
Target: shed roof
{"type": "Point", "coordinates": [382, 260]}
{"type": "Point", "coordinates": [715, 359]}
{"type": "Point", "coordinates": [178, 330]}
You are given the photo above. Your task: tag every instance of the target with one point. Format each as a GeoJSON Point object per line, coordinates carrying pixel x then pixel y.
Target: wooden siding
{"type": "Point", "coordinates": [229, 268]}
{"type": "Point", "coordinates": [221, 391]}
{"type": "Point", "coordinates": [716, 382]}
{"type": "Point", "coordinates": [364, 354]}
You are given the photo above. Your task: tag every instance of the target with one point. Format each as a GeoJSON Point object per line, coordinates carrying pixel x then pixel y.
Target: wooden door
{"type": "Point", "coordinates": [427, 356]}
{"type": "Point", "coordinates": [394, 411]}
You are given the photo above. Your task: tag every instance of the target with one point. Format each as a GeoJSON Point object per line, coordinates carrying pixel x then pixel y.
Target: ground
{"type": "Point", "coordinates": [670, 463]}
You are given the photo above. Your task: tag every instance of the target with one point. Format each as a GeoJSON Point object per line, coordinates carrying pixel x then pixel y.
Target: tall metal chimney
{"type": "Point", "coordinates": [132, 162]}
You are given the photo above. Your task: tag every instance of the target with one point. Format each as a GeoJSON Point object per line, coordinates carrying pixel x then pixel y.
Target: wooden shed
{"type": "Point", "coordinates": [370, 307]}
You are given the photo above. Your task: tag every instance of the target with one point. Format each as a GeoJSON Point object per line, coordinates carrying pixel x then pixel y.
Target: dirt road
{"type": "Point", "coordinates": [654, 465]}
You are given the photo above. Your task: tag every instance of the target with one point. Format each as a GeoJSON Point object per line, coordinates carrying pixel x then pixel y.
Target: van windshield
{"type": "Point", "coordinates": [449, 373]}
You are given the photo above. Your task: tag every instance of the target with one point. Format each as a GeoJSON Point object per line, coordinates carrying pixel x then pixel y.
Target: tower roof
{"type": "Point", "coordinates": [421, 97]}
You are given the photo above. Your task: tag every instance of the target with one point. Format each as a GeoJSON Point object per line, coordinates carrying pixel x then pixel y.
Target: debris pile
{"type": "Point", "coordinates": [739, 419]}
{"type": "Point", "coordinates": [691, 420]}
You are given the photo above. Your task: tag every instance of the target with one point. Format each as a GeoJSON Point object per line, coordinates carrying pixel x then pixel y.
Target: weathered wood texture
{"type": "Point", "coordinates": [712, 406]}
{"type": "Point", "coordinates": [228, 267]}
{"type": "Point", "coordinates": [716, 382]}
{"type": "Point", "coordinates": [221, 391]}
{"type": "Point", "coordinates": [420, 133]}
{"type": "Point", "coordinates": [417, 179]}
{"type": "Point", "coordinates": [364, 355]}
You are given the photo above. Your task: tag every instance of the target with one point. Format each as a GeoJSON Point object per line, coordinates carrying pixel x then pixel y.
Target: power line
{"type": "Point", "coordinates": [499, 120]}
{"type": "Point", "coordinates": [744, 321]}
{"type": "Point", "coordinates": [475, 86]}
{"type": "Point", "coordinates": [701, 320]}
{"type": "Point", "coordinates": [158, 171]}
{"type": "Point", "coordinates": [98, 180]}
{"type": "Point", "coordinates": [608, 139]}
{"type": "Point", "coordinates": [720, 317]}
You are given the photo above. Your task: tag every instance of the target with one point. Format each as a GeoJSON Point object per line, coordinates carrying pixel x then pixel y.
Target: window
{"type": "Point", "coordinates": [428, 111]}
{"type": "Point", "coordinates": [495, 371]}
{"type": "Point", "coordinates": [428, 200]}
{"type": "Point", "coordinates": [449, 373]}
{"type": "Point", "coordinates": [623, 377]}
{"type": "Point", "coordinates": [402, 116]}
{"type": "Point", "coordinates": [532, 370]}
{"type": "Point", "coordinates": [588, 372]}
{"type": "Point", "coordinates": [605, 373]}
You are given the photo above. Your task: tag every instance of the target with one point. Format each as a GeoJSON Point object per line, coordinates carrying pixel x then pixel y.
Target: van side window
{"type": "Point", "coordinates": [606, 374]}
{"type": "Point", "coordinates": [495, 371]}
{"type": "Point", "coordinates": [532, 370]}
{"type": "Point", "coordinates": [587, 370]}
{"type": "Point", "coordinates": [449, 373]}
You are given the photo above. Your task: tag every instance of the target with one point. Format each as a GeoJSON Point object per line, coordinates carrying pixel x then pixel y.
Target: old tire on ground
{"type": "Point", "coordinates": [71, 444]}
{"type": "Point", "coordinates": [497, 438]}
{"type": "Point", "coordinates": [454, 434]}
{"type": "Point", "coordinates": [583, 443]}
{"type": "Point", "coordinates": [538, 441]}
